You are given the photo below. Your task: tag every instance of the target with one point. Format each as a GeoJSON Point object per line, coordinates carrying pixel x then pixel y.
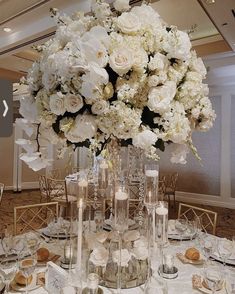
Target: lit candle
{"type": "Point", "coordinates": [169, 261]}
{"type": "Point", "coordinates": [68, 252]}
{"type": "Point", "coordinates": [151, 173]}
{"type": "Point", "coordinates": [163, 211]}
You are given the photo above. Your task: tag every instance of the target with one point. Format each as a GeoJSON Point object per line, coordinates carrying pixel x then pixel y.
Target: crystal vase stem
{"type": "Point", "coordinates": [119, 277]}
{"type": "Point", "coordinates": [149, 228]}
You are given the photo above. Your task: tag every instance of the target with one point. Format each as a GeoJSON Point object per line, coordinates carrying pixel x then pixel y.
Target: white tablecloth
{"type": "Point", "coordinates": [180, 285]}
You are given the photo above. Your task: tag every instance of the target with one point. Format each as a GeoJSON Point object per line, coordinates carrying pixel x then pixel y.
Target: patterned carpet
{"type": "Point", "coordinates": [225, 224]}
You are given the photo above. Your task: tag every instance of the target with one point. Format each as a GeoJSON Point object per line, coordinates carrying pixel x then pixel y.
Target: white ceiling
{"type": "Point", "coordinates": [31, 23]}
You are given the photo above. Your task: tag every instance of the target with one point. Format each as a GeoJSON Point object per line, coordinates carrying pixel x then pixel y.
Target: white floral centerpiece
{"type": "Point", "coordinates": [122, 74]}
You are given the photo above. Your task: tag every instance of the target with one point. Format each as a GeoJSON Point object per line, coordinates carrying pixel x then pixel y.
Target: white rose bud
{"type": "Point", "coordinates": [57, 103]}
{"type": "Point", "coordinates": [100, 107]}
{"type": "Point", "coordinates": [108, 91]}
{"type": "Point", "coordinates": [73, 103]}
{"type": "Point", "coordinates": [121, 5]}
{"type": "Point", "coordinates": [121, 60]}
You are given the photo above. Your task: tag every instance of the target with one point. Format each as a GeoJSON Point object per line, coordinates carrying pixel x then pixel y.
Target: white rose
{"type": "Point", "coordinates": [57, 103]}
{"type": "Point", "coordinates": [83, 128]}
{"type": "Point", "coordinates": [179, 154]}
{"type": "Point", "coordinates": [128, 23]}
{"type": "Point", "coordinates": [121, 5]}
{"type": "Point", "coordinates": [153, 81]}
{"type": "Point", "coordinates": [100, 107]}
{"type": "Point", "coordinates": [158, 62]}
{"type": "Point", "coordinates": [121, 60]}
{"type": "Point", "coordinates": [145, 139]}
{"type": "Point", "coordinates": [160, 97]}
{"type": "Point", "coordinates": [147, 15]}
{"type": "Point", "coordinates": [73, 103]}
{"type": "Point", "coordinates": [125, 257]}
{"type": "Point", "coordinates": [140, 59]}
{"type": "Point", "coordinates": [99, 256]}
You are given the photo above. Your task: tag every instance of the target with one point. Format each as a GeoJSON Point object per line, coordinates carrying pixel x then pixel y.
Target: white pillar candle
{"type": "Point", "coordinates": [169, 261]}
{"type": "Point", "coordinates": [151, 173]}
{"type": "Point", "coordinates": [79, 240]}
{"type": "Point", "coordinates": [119, 195]}
{"type": "Point", "coordinates": [163, 211]}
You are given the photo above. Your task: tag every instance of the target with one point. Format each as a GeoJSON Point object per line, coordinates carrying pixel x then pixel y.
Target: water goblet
{"type": "Point", "coordinates": [206, 245]}
{"type": "Point", "coordinates": [192, 228]}
{"type": "Point", "coordinates": [213, 277]}
{"type": "Point", "coordinates": [225, 249]}
{"type": "Point", "coordinates": [33, 243]}
{"type": "Point", "coordinates": [8, 271]}
{"type": "Point", "coordinates": [27, 268]}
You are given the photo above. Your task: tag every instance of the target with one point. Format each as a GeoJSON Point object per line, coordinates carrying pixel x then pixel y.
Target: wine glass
{"type": "Point", "coordinates": [33, 243]}
{"type": "Point", "coordinates": [192, 228]}
{"type": "Point", "coordinates": [225, 249]}
{"type": "Point", "coordinates": [213, 277]}
{"type": "Point", "coordinates": [156, 285]}
{"type": "Point", "coordinates": [27, 268]}
{"type": "Point", "coordinates": [206, 245]}
{"type": "Point", "coordinates": [8, 271]}
{"type": "Point", "coordinates": [7, 243]}
{"type": "Point", "coordinates": [19, 246]}
{"type": "Point", "coordinates": [181, 226]}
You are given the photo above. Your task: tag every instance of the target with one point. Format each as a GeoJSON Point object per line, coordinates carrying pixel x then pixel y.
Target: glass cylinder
{"type": "Point", "coordinates": [162, 223]}
{"type": "Point", "coordinates": [151, 185]}
{"type": "Point", "coordinates": [82, 191]}
{"type": "Point", "coordinates": [103, 176]}
{"type": "Point", "coordinates": [121, 208]}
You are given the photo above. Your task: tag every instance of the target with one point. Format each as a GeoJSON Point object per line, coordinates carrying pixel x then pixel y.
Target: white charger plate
{"type": "Point", "coordinates": [228, 261]}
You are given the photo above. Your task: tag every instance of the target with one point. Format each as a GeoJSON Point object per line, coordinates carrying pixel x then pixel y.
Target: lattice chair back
{"type": "Point", "coordinates": [171, 181]}
{"type": "Point", "coordinates": [43, 188]}
{"type": "Point", "coordinates": [207, 218]}
{"type": "Point", "coordinates": [2, 186]}
{"type": "Point", "coordinates": [59, 173]}
{"type": "Point", "coordinates": [34, 217]}
{"type": "Point", "coordinates": [135, 206]}
{"type": "Point", "coordinates": [161, 187]}
{"type": "Point", "coordinates": [57, 190]}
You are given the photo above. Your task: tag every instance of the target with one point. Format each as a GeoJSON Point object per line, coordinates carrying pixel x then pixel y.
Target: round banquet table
{"type": "Point", "coordinates": [180, 285]}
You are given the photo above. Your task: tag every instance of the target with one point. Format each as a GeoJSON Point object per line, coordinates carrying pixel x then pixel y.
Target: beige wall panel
{"type": "Point", "coordinates": [193, 177]}
{"type": "Point", "coordinates": [6, 160]}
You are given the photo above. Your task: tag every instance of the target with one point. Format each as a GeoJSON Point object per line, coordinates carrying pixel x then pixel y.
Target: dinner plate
{"type": "Point", "coordinates": [228, 261]}
{"type": "Point", "coordinates": [32, 286]}
{"type": "Point", "coordinates": [61, 235]}
{"type": "Point", "coordinates": [108, 225]}
{"type": "Point", "coordinates": [178, 237]}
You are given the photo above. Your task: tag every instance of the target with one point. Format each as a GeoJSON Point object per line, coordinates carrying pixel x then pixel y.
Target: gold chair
{"type": "Point", "coordinates": [161, 188]}
{"type": "Point", "coordinates": [207, 218]}
{"type": "Point", "coordinates": [59, 173]}
{"type": "Point", "coordinates": [2, 186]}
{"type": "Point", "coordinates": [34, 217]}
{"type": "Point", "coordinates": [171, 183]}
{"type": "Point", "coordinates": [43, 188]}
{"type": "Point", "coordinates": [57, 191]}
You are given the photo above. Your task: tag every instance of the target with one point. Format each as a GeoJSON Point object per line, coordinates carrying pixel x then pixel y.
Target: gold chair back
{"type": "Point", "coordinates": [59, 173]}
{"type": "Point", "coordinates": [161, 187]}
{"type": "Point", "coordinates": [2, 186]}
{"type": "Point", "coordinates": [171, 181]}
{"type": "Point", "coordinates": [57, 190]}
{"type": "Point", "coordinates": [43, 188]}
{"type": "Point", "coordinates": [33, 217]}
{"type": "Point", "coordinates": [207, 218]}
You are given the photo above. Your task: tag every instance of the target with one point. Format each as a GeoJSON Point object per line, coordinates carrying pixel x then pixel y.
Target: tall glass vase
{"type": "Point", "coordinates": [120, 222]}
{"type": "Point", "coordinates": [150, 201]}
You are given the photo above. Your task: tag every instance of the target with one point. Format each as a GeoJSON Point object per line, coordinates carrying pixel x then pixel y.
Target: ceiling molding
{"type": "Point", "coordinates": [20, 13]}
{"type": "Point", "coordinates": [10, 75]}
{"type": "Point", "coordinates": [212, 48]}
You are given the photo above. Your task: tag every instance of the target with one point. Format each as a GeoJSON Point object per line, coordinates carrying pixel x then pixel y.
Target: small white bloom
{"type": "Point", "coordinates": [145, 139]}
{"type": "Point", "coordinates": [125, 257]}
{"type": "Point", "coordinates": [128, 23]}
{"type": "Point", "coordinates": [121, 5]}
{"type": "Point", "coordinates": [177, 44]}
{"type": "Point", "coordinates": [57, 103]}
{"type": "Point", "coordinates": [147, 16]}
{"type": "Point", "coordinates": [99, 256]}
{"type": "Point", "coordinates": [140, 59]}
{"type": "Point", "coordinates": [140, 253]}
{"type": "Point", "coordinates": [179, 154]}
{"type": "Point", "coordinates": [29, 146]}
{"type": "Point", "coordinates": [100, 107]}
{"type": "Point", "coordinates": [73, 103]}
{"type": "Point", "coordinates": [158, 62]}
{"type": "Point", "coordinates": [121, 60]}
